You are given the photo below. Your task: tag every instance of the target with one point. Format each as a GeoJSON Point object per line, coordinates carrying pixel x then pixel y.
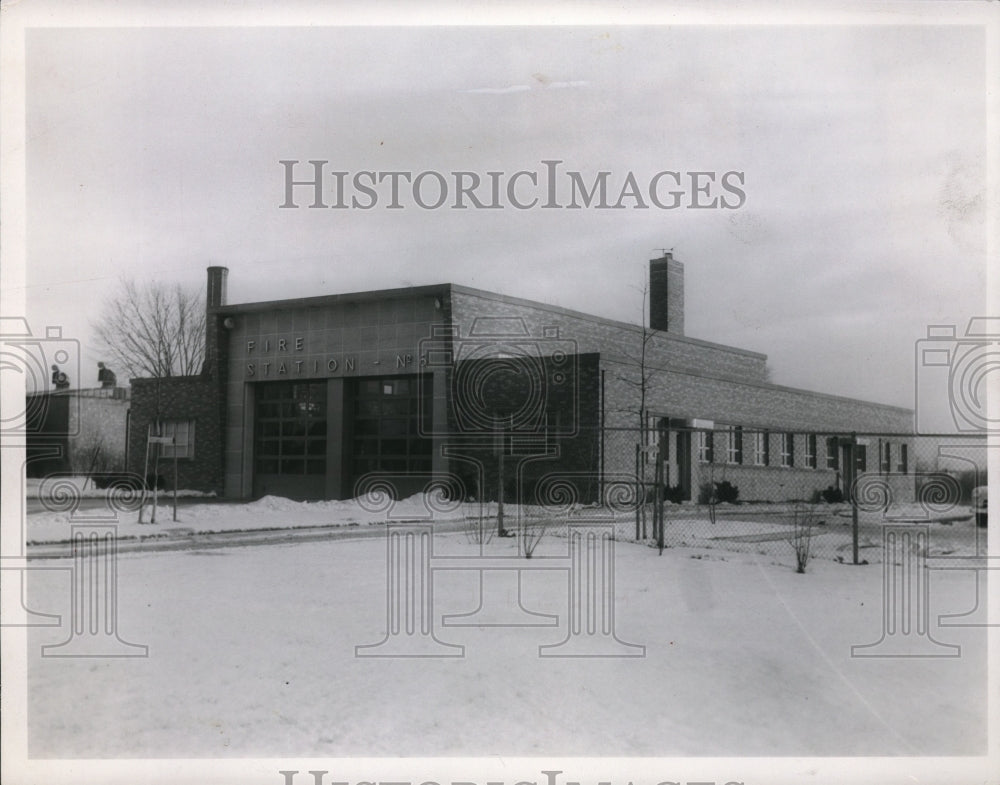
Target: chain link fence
{"type": "Point", "coordinates": [790, 496]}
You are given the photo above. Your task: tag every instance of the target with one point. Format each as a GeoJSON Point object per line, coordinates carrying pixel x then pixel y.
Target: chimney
{"type": "Point", "coordinates": [215, 297]}
{"type": "Point", "coordinates": [666, 294]}
{"type": "Point", "coordinates": [216, 287]}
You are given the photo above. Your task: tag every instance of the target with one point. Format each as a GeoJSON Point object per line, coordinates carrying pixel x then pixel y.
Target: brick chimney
{"type": "Point", "coordinates": [666, 294]}
{"type": "Point", "coordinates": [215, 297]}
{"type": "Point", "coordinates": [216, 287]}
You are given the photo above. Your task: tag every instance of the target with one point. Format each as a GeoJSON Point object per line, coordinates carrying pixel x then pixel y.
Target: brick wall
{"type": "Point", "coordinates": [666, 295]}
{"type": "Point", "coordinates": [194, 398]}
{"type": "Point", "coordinates": [613, 340]}
{"type": "Point", "coordinates": [753, 405]}
{"type": "Point", "coordinates": [539, 467]}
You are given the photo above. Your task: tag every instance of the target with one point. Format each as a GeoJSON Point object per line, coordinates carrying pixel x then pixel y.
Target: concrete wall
{"type": "Point", "coordinates": [66, 428]}
{"type": "Point", "coordinates": [98, 422]}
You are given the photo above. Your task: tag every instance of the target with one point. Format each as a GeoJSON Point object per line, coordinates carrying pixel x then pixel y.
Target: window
{"type": "Point", "coordinates": [735, 444]}
{"type": "Point", "coordinates": [183, 433]}
{"type": "Point", "coordinates": [884, 457]}
{"type": "Point", "coordinates": [901, 463]}
{"type": "Point", "coordinates": [657, 437]}
{"type": "Point", "coordinates": [811, 450]}
{"type": "Point", "coordinates": [832, 453]}
{"type": "Point", "coordinates": [706, 453]}
{"type": "Point", "coordinates": [760, 445]}
{"type": "Point", "coordinates": [290, 428]}
{"type": "Point", "coordinates": [787, 449]}
{"type": "Point", "coordinates": [861, 458]}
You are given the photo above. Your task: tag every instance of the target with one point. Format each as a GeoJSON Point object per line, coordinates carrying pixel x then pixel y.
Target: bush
{"type": "Point", "coordinates": [531, 532]}
{"type": "Point", "coordinates": [802, 531]}
{"type": "Point", "coordinates": [832, 495]}
{"type": "Point", "coordinates": [673, 494]}
{"type": "Point", "coordinates": [724, 492]}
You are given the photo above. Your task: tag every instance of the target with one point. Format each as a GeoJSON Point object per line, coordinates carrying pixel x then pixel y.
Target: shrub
{"type": "Point", "coordinates": [802, 530]}
{"type": "Point", "coordinates": [479, 529]}
{"type": "Point", "coordinates": [718, 493]}
{"type": "Point", "coordinates": [673, 494]}
{"type": "Point", "coordinates": [531, 531]}
{"type": "Point", "coordinates": [832, 495]}
{"type": "Point", "coordinates": [726, 492]}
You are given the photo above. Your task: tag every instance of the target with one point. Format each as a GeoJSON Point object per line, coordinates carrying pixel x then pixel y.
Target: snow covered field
{"type": "Point", "coordinates": [252, 653]}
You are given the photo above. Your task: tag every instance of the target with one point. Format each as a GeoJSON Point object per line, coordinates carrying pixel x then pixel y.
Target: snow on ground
{"type": "Point", "coordinates": [758, 529]}
{"type": "Point", "coordinates": [269, 512]}
{"type": "Point", "coordinates": [251, 653]}
{"type": "Point", "coordinates": [767, 530]}
{"type": "Point", "coordinates": [60, 486]}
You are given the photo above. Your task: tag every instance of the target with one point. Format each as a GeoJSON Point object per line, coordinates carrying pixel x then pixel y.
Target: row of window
{"type": "Point", "coordinates": [754, 448]}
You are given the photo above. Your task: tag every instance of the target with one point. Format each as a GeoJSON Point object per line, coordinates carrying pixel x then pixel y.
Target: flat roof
{"type": "Point", "coordinates": [603, 320]}
{"type": "Point", "coordinates": [447, 288]}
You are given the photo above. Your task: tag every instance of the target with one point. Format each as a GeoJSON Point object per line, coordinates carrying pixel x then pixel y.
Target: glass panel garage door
{"type": "Point", "coordinates": [386, 421]}
{"type": "Point", "coordinates": [290, 439]}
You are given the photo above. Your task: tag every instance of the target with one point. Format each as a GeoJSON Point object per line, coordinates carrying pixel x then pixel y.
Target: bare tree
{"type": "Point", "coordinates": [640, 381]}
{"type": "Point", "coordinates": [645, 374]}
{"type": "Point", "coordinates": [154, 330]}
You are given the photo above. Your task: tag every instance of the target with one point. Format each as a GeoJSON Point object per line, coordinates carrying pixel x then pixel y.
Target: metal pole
{"type": "Point", "coordinates": [175, 479]}
{"type": "Point", "coordinates": [658, 496]}
{"type": "Point", "coordinates": [638, 501]}
{"type": "Point", "coordinates": [145, 476]}
{"type": "Point", "coordinates": [501, 532]}
{"type": "Point", "coordinates": [156, 473]}
{"type": "Point", "coordinates": [854, 500]}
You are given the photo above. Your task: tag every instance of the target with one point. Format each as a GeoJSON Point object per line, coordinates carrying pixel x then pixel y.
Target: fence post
{"type": "Point", "coordinates": [658, 500]}
{"type": "Point", "coordinates": [501, 530]}
{"type": "Point", "coordinates": [854, 496]}
{"type": "Point", "coordinates": [638, 498]}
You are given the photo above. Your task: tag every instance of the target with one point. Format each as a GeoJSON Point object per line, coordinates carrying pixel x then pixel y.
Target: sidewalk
{"type": "Point", "coordinates": [228, 521]}
{"type": "Point", "coordinates": [179, 538]}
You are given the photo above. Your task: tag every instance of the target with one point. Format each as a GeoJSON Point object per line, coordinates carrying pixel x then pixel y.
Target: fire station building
{"type": "Point", "coordinates": [307, 398]}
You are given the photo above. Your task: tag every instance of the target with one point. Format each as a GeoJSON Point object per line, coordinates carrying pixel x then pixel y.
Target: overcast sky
{"type": "Point", "coordinates": [153, 153]}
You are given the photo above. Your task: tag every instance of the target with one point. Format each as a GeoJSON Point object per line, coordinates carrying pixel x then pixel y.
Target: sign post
{"type": "Point", "coordinates": [157, 441]}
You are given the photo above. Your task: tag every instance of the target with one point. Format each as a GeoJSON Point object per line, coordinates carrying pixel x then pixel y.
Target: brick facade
{"type": "Point", "coordinates": [429, 332]}
{"type": "Point", "coordinates": [615, 341]}
{"type": "Point", "coordinates": [666, 295]}
{"type": "Point", "coordinates": [191, 398]}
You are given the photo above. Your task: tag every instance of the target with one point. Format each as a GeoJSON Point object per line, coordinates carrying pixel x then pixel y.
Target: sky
{"type": "Point", "coordinates": [153, 153]}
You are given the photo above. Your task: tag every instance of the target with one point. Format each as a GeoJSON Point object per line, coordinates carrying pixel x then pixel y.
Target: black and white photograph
{"type": "Point", "coordinates": [527, 395]}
